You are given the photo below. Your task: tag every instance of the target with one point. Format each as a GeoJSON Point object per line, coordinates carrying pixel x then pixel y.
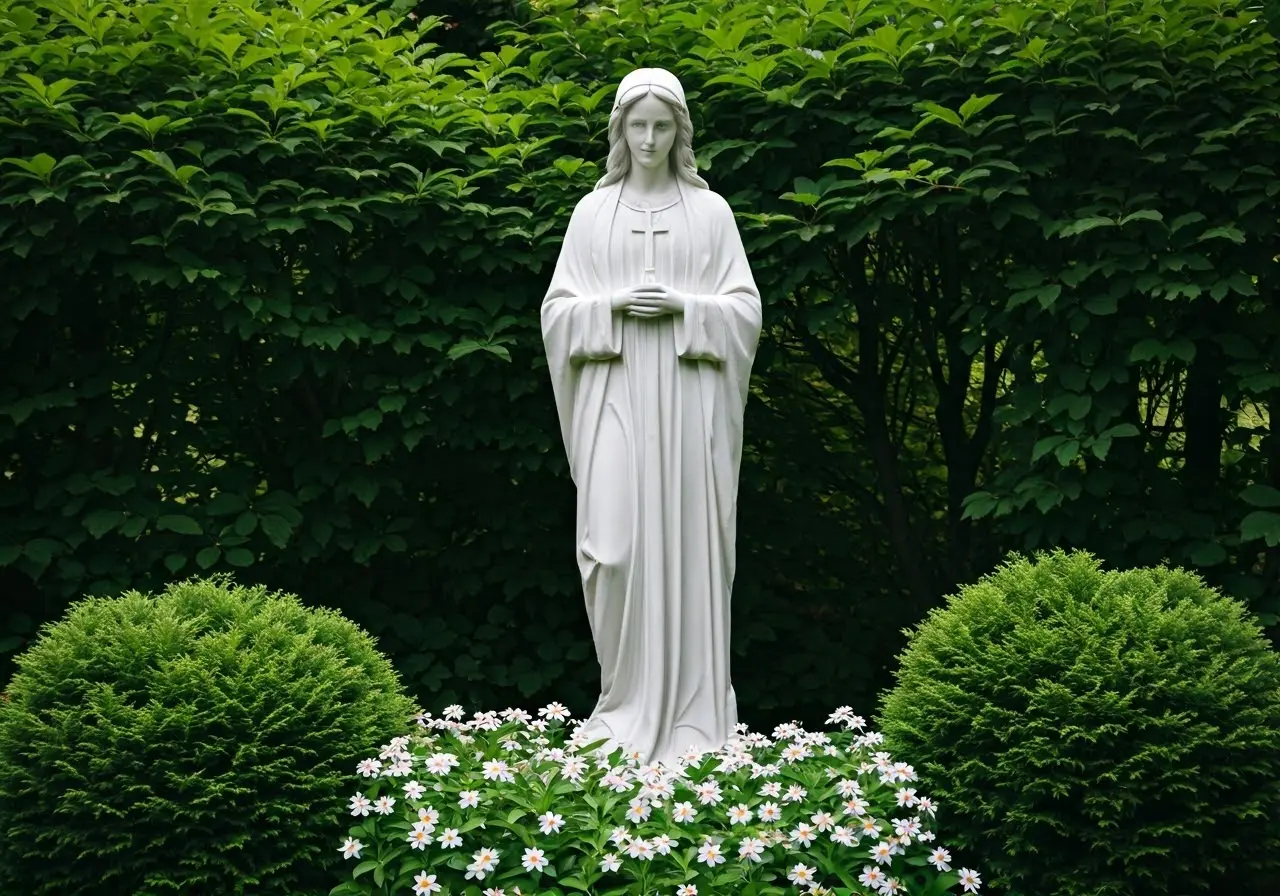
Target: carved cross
{"type": "Point", "coordinates": [650, 272]}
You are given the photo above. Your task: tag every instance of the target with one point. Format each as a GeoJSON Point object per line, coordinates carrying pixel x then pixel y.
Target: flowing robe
{"type": "Point", "coordinates": [651, 414]}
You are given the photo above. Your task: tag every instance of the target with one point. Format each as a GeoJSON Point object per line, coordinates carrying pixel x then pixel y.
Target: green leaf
{"type": "Point", "coordinates": [277, 530]}
{"type": "Point", "coordinates": [240, 557]}
{"type": "Point", "coordinates": [100, 522]}
{"type": "Point", "coordinates": [208, 556]}
{"type": "Point", "coordinates": [1261, 524]}
{"type": "Point", "coordinates": [1260, 495]}
{"type": "Point", "coordinates": [176, 522]}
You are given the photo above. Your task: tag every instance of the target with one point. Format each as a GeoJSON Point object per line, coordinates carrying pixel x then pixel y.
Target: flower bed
{"type": "Point", "coordinates": [508, 803]}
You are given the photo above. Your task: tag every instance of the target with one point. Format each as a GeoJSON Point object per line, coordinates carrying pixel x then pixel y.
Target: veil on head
{"type": "Point", "coordinates": [666, 86]}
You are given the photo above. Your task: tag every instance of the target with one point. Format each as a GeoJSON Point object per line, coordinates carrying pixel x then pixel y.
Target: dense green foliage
{"type": "Point", "coordinates": [270, 276]}
{"type": "Point", "coordinates": [191, 742]}
{"type": "Point", "coordinates": [1097, 733]}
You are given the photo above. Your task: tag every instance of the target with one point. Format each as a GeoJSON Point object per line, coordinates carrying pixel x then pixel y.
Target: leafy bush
{"type": "Point", "coordinates": [1098, 732]}
{"type": "Point", "coordinates": [522, 803]}
{"type": "Point", "coordinates": [191, 742]}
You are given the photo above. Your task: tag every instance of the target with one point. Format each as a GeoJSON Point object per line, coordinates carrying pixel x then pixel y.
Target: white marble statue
{"type": "Point", "coordinates": [650, 325]}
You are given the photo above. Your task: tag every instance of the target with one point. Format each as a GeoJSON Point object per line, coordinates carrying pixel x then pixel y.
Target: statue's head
{"type": "Point", "coordinates": [650, 127]}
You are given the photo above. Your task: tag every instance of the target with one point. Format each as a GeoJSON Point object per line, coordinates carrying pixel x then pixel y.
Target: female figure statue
{"type": "Point", "coordinates": [650, 326]}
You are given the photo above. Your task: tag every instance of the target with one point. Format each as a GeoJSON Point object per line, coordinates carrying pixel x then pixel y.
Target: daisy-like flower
{"type": "Point", "coordinates": [482, 863]}
{"type": "Point", "coordinates": [683, 813]}
{"type": "Point", "coordinates": [843, 836]}
{"type": "Point", "coordinates": [969, 880]}
{"type": "Point", "coordinates": [414, 791]}
{"type": "Point", "coordinates": [771, 789]}
{"type": "Point", "coordinates": [639, 848]}
{"type": "Point", "coordinates": [441, 763]}
{"type": "Point", "coordinates": [468, 799]}
{"type": "Point", "coordinates": [751, 849]}
{"type": "Point", "coordinates": [693, 756]}
{"type": "Point", "coordinates": [892, 887]}
{"type": "Point", "coordinates": [841, 715]}
{"type": "Point", "coordinates": [795, 753]}
{"type": "Point", "coordinates": [453, 711]}
{"type": "Point", "coordinates": [638, 812]}
{"type": "Point", "coordinates": [360, 805]}
{"type": "Point", "coordinates": [804, 835]}
{"type": "Point", "coordinates": [550, 823]}
{"type": "Point", "coordinates": [385, 805]}
{"type": "Point", "coordinates": [795, 793]}
{"type": "Point", "coordinates": [870, 828]}
{"type": "Point", "coordinates": [871, 876]}
{"type": "Point", "coordinates": [573, 769]}
{"type": "Point", "coordinates": [497, 770]}
{"type": "Point", "coordinates": [856, 806]}
{"type": "Point", "coordinates": [740, 814]}
{"type": "Point", "coordinates": [823, 821]}
{"type": "Point", "coordinates": [848, 788]}
{"type": "Point", "coordinates": [769, 813]}
{"type": "Point", "coordinates": [497, 891]}
{"type": "Point", "coordinates": [619, 836]}
{"type": "Point", "coordinates": [940, 859]}
{"type": "Point", "coordinates": [907, 797]}
{"type": "Point", "coordinates": [369, 768]}
{"type": "Point", "coordinates": [425, 884]}
{"type": "Point", "coordinates": [609, 863]}
{"type": "Point", "coordinates": [802, 876]}
{"type": "Point", "coordinates": [429, 817]}
{"type": "Point", "coordinates": [710, 853]}
{"type": "Point", "coordinates": [534, 860]}
{"type": "Point", "coordinates": [419, 839]}
{"type": "Point", "coordinates": [449, 839]}
{"type": "Point", "coordinates": [708, 792]}
{"type": "Point", "coordinates": [687, 890]}
{"type": "Point", "coordinates": [905, 829]}
{"type": "Point", "coordinates": [663, 844]}
{"type": "Point", "coordinates": [556, 712]}
{"type": "Point", "coordinates": [903, 772]}
{"type": "Point", "coordinates": [924, 804]}
{"type": "Point", "coordinates": [882, 852]}
{"type": "Point", "coordinates": [351, 849]}
{"type": "Point", "coordinates": [616, 783]}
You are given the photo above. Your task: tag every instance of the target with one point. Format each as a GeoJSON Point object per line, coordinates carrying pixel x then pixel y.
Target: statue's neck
{"type": "Point", "coordinates": [649, 184]}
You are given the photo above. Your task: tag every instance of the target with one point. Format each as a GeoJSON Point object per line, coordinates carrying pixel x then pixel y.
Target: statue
{"type": "Point", "coordinates": [650, 326]}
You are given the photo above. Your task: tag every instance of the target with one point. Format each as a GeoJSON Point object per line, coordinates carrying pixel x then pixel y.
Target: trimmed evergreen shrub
{"type": "Point", "coordinates": [195, 742]}
{"type": "Point", "coordinates": [1094, 732]}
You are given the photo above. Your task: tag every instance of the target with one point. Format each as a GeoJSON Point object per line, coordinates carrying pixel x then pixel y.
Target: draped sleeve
{"type": "Point", "coordinates": [577, 325]}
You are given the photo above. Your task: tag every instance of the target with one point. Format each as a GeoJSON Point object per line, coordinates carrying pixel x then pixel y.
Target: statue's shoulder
{"type": "Point", "coordinates": [711, 202]}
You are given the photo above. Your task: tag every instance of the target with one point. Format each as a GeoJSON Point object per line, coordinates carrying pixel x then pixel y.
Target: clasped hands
{"type": "Point", "coordinates": [649, 300]}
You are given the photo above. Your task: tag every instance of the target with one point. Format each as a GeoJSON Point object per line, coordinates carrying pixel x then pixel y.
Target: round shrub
{"type": "Point", "coordinates": [507, 804]}
{"type": "Point", "coordinates": [194, 742]}
{"type": "Point", "coordinates": [1096, 732]}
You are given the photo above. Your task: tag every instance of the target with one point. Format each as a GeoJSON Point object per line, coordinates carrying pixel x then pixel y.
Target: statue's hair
{"type": "Point", "coordinates": [681, 160]}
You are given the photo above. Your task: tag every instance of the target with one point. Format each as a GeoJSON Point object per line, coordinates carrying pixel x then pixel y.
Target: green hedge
{"type": "Point", "coordinates": [1097, 733]}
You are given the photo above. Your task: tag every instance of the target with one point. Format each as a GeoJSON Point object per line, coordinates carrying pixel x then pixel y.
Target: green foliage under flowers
{"type": "Point", "coordinates": [1099, 733]}
{"type": "Point", "coordinates": [513, 804]}
{"type": "Point", "coordinates": [192, 742]}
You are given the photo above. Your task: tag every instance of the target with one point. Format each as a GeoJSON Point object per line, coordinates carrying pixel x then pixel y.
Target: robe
{"type": "Point", "coordinates": [651, 415]}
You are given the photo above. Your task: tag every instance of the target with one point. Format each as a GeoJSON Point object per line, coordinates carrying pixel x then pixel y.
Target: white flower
{"type": "Point", "coordinates": [940, 859]}
{"type": "Point", "coordinates": [708, 792]}
{"type": "Point", "coordinates": [385, 805]}
{"type": "Point", "coordinates": [573, 769]}
{"type": "Point", "coordinates": [639, 811]}
{"type": "Point", "coordinates": [882, 852]}
{"type": "Point", "coordinates": [429, 817]}
{"type": "Point", "coordinates": [550, 823]}
{"type": "Point", "coordinates": [360, 805]}
{"type": "Point", "coordinates": [468, 799]}
{"type": "Point", "coordinates": [906, 828]}
{"type": "Point", "coordinates": [751, 849]}
{"type": "Point", "coordinates": [351, 849]}
{"type": "Point", "coordinates": [683, 813]}
{"type": "Point", "coordinates": [795, 793]}
{"type": "Point", "coordinates": [687, 890]}
{"type": "Point", "coordinates": [424, 884]}
{"type": "Point", "coordinates": [848, 788]}
{"type": "Point", "coordinates": [497, 770]}
{"type": "Point", "coordinates": [441, 763]}
{"type": "Point", "coordinates": [554, 711]}
{"type": "Point", "coordinates": [453, 711]}
{"type": "Point", "coordinates": [924, 804]}
{"type": "Point", "coordinates": [842, 835]}
{"type": "Point", "coordinates": [740, 814]}
{"type": "Point", "coordinates": [419, 838]}
{"type": "Point", "coordinates": [414, 791]}
{"type": "Point", "coordinates": [620, 836]}
{"type": "Point", "coordinates": [449, 839]}
{"type": "Point", "coordinates": [769, 813]}
{"type": "Point", "coordinates": [482, 863]}
{"type": "Point", "coordinates": [610, 863]}
{"type": "Point", "coordinates": [534, 860]}
{"type": "Point", "coordinates": [639, 848]}
{"type": "Point", "coordinates": [907, 797]}
{"type": "Point", "coordinates": [823, 821]}
{"type": "Point", "coordinates": [802, 875]}
{"type": "Point", "coordinates": [710, 853]}
{"type": "Point", "coordinates": [870, 828]}
{"type": "Point", "coordinates": [871, 877]}
{"type": "Point", "coordinates": [804, 835]}
{"type": "Point", "coordinates": [616, 783]}
{"type": "Point", "coordinates": [771, 788]}
{"type": "Point", "coordinates": [970, 880]}
{"type": "Point", "coordinates": [369, 768]}
{"type": "Point", "coordinates": [856, 806]}
{"type": "Point", "coordinates": [663, 844]}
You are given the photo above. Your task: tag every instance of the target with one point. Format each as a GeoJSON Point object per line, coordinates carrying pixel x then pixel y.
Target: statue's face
{"type": "Point", "coordinates": [651, 131]}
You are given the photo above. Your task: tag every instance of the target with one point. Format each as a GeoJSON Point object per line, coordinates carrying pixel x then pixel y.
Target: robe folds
{"type": "Point", "coordinates": [651, 415]}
